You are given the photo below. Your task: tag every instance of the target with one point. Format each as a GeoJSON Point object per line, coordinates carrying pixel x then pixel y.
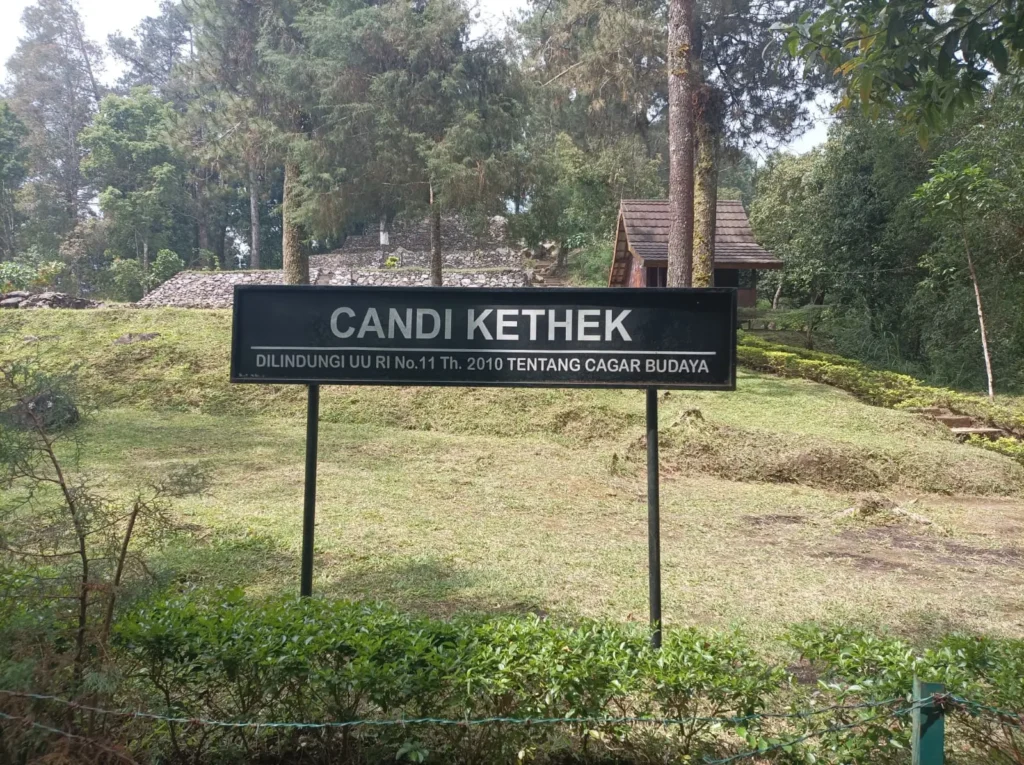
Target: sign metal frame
{"type": "Point", "coordinates": [658, 303]}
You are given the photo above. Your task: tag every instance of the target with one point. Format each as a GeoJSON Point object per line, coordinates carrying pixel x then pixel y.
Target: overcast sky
{"type": "Point", "coordinates": [103, 17]}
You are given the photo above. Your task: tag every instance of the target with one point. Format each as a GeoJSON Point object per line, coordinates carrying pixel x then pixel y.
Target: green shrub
{"type": "Point", "coordinates": [128, 280]}
{"type": "Point", "coordinates": [166, 265]}
{"type": "Point", "coordinates": [216, 655]}
{"type": "Point", "coordinates": [15, 276]}
{"type": "Point", "coordinates": [874, 386]}
{"type": "Point", "coordinates": [588, 265]}
{"type": "Point", "coordinates": [27, 275]}
{"type": "Point", "coordinates": [219, 656]}
{"type": "Point", "coordinates": [1011, 447]}
{"type": "Point", "coordinates": [857, 667]}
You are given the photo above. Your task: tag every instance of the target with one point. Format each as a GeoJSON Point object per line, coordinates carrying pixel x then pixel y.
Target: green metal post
{"type": "Point", "coordinates": [653, 518]}
{"type": "Point", "coordinates": [309, 506]}
{"type": "Point", "coordinates": [928, 742]}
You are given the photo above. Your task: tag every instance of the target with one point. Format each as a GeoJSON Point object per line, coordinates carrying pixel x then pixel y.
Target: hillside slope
{"type": "Point", "coordinates": [770, 429]}
{"type": "Point", "coordinates": [449, 499]}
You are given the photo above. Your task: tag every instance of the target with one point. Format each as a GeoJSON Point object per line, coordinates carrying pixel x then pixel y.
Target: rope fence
{"type": "Point", "coordinates": [735, 720]}
{"type": "Point", "coordinates": [887, 709]}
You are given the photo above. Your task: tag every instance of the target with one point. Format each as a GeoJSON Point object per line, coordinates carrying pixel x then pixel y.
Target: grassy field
{"type": "Point", "coordinates": [446, 500]}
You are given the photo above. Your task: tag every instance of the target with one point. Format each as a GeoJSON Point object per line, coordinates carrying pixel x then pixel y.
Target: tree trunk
{"type": "Point", "coordinates": [254, 218]}
{"type": "Point", "coordinates": [145, 266]}
{"type": "Point", "coordinates": [108, 618]}
{"type": "Point", "coordinates": [435, 240]}
{"type": "Point", "coordinates": [680, 143]}
{"type": "Point", "coordinates": [202, 223]}
{"type": "Point", "coordinates": [222, 245]}
{"type": "Point", "coordinates": [385, 236]}
{"type": "Point", "coordinates": [981, 316]}
{"type": "Point", "coordinates": [80, 40]}
{"type": "Point", "coordinates": [778, 295]}
{"type": "Point", "coordinates": [296, 262]}
{"type": "Point", "coordinates": [705, 195]}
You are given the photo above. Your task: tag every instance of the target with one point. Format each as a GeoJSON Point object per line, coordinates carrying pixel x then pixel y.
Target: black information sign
{"type": "Point", "coordinates": [618, 338]}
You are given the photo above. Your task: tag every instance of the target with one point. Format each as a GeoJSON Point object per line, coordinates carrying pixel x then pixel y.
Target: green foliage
{"type": "Point", "coordinates": [30, 272]}
{"type": "Point", "coordinates": [421, 112]}
{"type": "Point", "coordinates": [575, 190]}
{"type": "Point", "coordinates": [16, 276]}
{"type": "Point", "coordinates": [874, 386]}
{"type": "Point", "coordinates": [128, 279]}
{"type": "Point", "coordinates": [855, 666]}
{"type": "Point", "coordinates": [54, 91]}
{"type": "Point", "coordinates": [588, 265]}
{"type": "Point", "coordinates": [1011, 447]}
{"type": "Point", "coordinates": [863, 229]}
{"type": "Point", "coordinates": [921, 60]}
{"type": "Point", "coordinates": [67, 540]}
{"type": "Point", "coordinates": [136, 171]}
{"type": "Point", "coordinates": [218, 655]}
{"type": "Point", "coordinates": [13, 171]}
{"type": "Point", "coordinates": [166, 265]}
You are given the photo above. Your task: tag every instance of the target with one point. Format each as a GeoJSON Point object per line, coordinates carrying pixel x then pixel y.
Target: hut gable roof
{"type": "Point", "coordinates": [645, 224]}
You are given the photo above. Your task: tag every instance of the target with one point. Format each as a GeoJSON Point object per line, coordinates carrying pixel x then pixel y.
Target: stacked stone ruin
{"type": "Point", "coordinates": [25, 299]}
{"type": "Point", "coordinates": [470, 260]}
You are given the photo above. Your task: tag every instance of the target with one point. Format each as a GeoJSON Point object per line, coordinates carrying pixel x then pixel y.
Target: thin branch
{"type": "Point", "coordinates": [563, 72]}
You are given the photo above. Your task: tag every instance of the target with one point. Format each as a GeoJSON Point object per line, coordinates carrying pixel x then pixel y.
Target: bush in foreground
{"type": "Point", "coordinates": [502, 689]}
{"type": "Point", "coordinates": [220, 657]}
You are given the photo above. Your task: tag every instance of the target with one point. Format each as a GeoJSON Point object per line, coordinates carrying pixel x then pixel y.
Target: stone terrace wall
{"type": "Point", "coordinates": [501, 257]}
{"type": "Point", "coordinates": [205, 289]}
{"type": "Point", "coordinates": [339, 260]}
{"type": "Point", "coordinates": [499, 277]}
{"type": "Point", "coordinates": [414, 236]}
{"type": "Point", "coordinates": [470, 260]}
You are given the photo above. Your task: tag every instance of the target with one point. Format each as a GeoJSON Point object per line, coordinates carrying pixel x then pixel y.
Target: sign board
{"type": "Point", "coordinates": [616, 338]}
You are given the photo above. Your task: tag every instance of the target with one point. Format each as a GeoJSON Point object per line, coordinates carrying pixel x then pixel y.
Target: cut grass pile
{"type": "Point", "coordinates": [448, 500]}
{"type": "Point", "coordinates": [740, 453]}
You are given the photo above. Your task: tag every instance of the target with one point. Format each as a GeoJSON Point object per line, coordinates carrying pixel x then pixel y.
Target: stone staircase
{"type": "Point", "coordinates": [547, 274]}
{"type": "Point", "coordinates": [961, 425]}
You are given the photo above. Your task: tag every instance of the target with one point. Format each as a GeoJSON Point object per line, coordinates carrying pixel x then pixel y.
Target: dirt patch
{"type": "Point", "coordinates": [1002, 556]}
{"type": "Point", "coordinates": [895, 543]}
{"type": "Point", "coordinates": [803, 672]}
{"type": "Point", "coordinates": [861, 562]}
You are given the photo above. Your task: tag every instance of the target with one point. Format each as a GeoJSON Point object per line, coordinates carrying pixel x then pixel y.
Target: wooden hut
{"type": "Point", "coordinates": [640, 256]}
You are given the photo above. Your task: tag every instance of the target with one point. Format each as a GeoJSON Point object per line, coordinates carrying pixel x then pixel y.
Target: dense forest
{"type": "Point", "coordinates": [241, 129]}
{"type": "Point", "coordinates": [253, 133]}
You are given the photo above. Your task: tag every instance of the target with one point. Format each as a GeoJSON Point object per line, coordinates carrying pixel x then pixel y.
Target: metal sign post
{"type": "Point", "coordinates": [309, 505]}
{"type": "Point", "coordinates": [562, 338]}
{"type": "Point", "coordinates": [653, 518]}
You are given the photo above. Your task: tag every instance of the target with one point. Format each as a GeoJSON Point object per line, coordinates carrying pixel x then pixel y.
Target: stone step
{"type": "Point", "coordinates": [955, 421]}
{"type": "Point", "coordinates": [929, 411]}
{"type": "Point", "coordinates": [992, 433]}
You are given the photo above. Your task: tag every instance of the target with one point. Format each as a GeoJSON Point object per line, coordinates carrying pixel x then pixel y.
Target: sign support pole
{"type": "Point", "coordinates": [653, 517]}
{"type": "Point", "coordinates": [309, 509]}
